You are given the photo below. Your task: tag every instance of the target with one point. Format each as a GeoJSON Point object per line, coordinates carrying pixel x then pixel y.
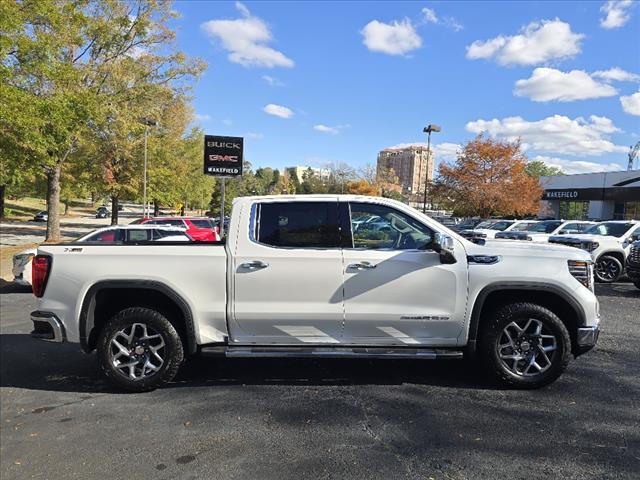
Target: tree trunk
{"type": "Point", "coordinates": [114, 210]}
{"type": "Point", "coordinates": [2, 190]}
{"type": "Point", "coordinates": [156, 208]}
{"type": "Point", "coordinates": [53, 204]}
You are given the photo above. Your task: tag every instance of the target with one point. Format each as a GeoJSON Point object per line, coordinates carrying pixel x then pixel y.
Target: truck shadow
{"type": "Point", "coordinates": [35, 365]}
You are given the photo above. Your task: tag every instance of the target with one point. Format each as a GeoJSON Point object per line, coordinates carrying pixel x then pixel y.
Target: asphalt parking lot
{"type": "Point", "coordinates": [281, 419]}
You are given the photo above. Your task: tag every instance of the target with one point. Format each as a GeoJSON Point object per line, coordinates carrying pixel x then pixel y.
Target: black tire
{"type": "Point", "coordinates": [171, 351]}
{"type": "Point", "coordinates": [637, 283]}
{"type": "Point", "coordinates": [608, 269]}
{"type": "Point", "coordinates": [493, 328]}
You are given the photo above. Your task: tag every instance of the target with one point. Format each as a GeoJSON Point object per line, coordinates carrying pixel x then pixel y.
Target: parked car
{"type": "Point", "coordinates": [466, 224]}
{"type": "Point", "coordinates": [633, 263]}
{"type": "Point", "coordinates": [608, 243]}
{"type": "Point", "coordinates": [199, 228]}
{"type": "Point", "coordinates": [126, 234]}
{"type": "Point", "coordinates": [493, 227]}
{"type": "Point", "coordinates": [294, 279]}
{"type": "Point", "coordinates": [41, 217]}
{"type": "Point", "coordinates": [102, 212]}
{"type": "Point", "coordinates": [541, 231]}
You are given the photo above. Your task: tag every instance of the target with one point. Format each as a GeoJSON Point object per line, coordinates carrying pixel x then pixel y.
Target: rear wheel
{"type": "Point", "coordinates": [525, 345]}
{"type": "Point", "coordinates": [139, 350]}
{"type": "Point", "coordinates": [608, 269]}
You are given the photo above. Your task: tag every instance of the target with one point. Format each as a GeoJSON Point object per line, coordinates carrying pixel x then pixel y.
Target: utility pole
{"type": "Point", "coordinates": [428, 129]}
{"type": "Point", "coordinates": [147, 122]}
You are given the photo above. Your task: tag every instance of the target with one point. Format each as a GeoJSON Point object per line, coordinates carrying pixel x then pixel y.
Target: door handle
{"type": "Point", "coordinates": [361, 266]}
{"type": "Point", "coordinates": [254, 265]}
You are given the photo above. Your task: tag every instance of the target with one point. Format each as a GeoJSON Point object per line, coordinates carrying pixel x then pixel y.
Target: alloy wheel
{"type": "Point", "coordinates": [526, 347]}
{"type": "Point", "coordinates": [607, 269]}
{"type": "Point", "coordinates": [137, 351]}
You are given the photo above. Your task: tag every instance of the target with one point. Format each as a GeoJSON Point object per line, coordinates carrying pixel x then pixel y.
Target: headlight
{"type": "Point", "coordinates": [582, 271]}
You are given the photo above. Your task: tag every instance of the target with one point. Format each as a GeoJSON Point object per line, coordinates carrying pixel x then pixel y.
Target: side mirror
{"type": "Point", "coordinates": [443, 244]}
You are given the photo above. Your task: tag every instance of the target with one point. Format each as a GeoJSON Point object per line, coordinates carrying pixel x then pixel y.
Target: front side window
{"type": "Point", "coordinates": [387, 228]}
{"type": "Point", "coordinates": [523, 226]}
{"type": "Point", "coordinates": [298, 224]}
{"type": "Point", "coordinates": [545, 227]}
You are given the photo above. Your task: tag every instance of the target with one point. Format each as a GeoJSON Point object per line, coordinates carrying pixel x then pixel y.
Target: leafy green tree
{"type": "Point", "coordinates": [63, 55]}
{"type": "Point", "coordinates": [537, 169]}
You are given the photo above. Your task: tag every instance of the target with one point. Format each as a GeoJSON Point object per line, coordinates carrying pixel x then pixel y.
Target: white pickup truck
{"type": "Point", "coordinates": [295, 279]}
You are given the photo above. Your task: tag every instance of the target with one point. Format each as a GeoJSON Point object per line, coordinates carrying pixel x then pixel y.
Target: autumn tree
{"type": "Point", "coordinates": [489, 178]}
{"type": "Point", "coordinates": [361, 187]}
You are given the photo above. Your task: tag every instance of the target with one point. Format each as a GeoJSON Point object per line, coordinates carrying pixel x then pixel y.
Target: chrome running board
{"type": "Point", "coordinates": [335, 352]}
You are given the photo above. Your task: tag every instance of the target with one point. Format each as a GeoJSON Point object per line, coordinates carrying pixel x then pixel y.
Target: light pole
{"type": "Point", "coordinates": [147, 122]}
{"type": "Point", "coordinates": [428, 129]}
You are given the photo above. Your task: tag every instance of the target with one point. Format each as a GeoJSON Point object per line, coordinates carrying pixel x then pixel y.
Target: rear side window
{"type": "Point", "coordinates": [299, 224]}
{"type": "Point", "coordinates": [141, 235]}
{"type": "Point", "coordinates": [202, 223]}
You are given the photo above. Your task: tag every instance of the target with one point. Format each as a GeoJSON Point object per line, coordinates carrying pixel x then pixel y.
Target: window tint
{"type": "Point", "coordinates": [386, 227]}
{"type": "Point", "coordinates": [547, 226]}
{"type": "Point", "coordinates": [500, 226]}
{"type": "Point", "coordinates": [201, 223]}
{"type": "Point", "coordinates": [299, 224]}
{"type": "Point", "coordinates": [523, 226]}
{"type": "Point", "coordinates": [612, 229]}
{"type": "Point", "coordinates": [138, 235]}
{"type": "Point", "coordinates": [107, 236]}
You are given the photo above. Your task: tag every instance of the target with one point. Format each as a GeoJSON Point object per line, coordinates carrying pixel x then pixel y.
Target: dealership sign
{"type": "Point", "coordinates": [223, 156]}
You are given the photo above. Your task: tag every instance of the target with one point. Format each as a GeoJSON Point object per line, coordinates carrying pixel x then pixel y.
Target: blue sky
{"type": "Point", "coordinates": [321, 82]}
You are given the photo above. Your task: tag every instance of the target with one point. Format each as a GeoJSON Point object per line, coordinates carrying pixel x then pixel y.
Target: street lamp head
{"type": "Point", "coordinates": [431, 128]}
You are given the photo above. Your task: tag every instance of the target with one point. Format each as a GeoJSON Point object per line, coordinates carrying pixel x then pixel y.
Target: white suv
{"type": "Point", "coordinates": [608, 243]}
{"type": "Point", "coordinates": [490, 228]}
{"type": "Point", "coordinates": [541, 231]}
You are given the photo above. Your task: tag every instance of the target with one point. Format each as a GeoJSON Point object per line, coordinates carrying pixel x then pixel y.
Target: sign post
{"type": "Point", "coordinates": [223, 158]}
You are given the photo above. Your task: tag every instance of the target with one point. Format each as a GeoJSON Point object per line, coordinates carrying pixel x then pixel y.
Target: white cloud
{"type": "Point", "coordinates": [537, 43]}
{"type": "Point", "coordinates": [396, 38]}
{"type": "Point", "coordinates": [631, 103]}
{"type": "Point", "coordinates": [548, 84]}
{"type": "Point", "coordinates": [202, 117]}
{"type": "Point", "coordinates": [558, 134]}
{"type": "Point", "coordinates": [278, 110]}
{"type": "Point", "coordinates": [332, 130]}
{"type": "Point", "coordinates": [616, 74]}
{"type": "Point", "coordinates": [429, 16]}
{"type": "Point", "coordinates": [617, 13]}
{"type": "Point", "coordinates": [571, 167]}
{"type": "Point", "coordinates": [274, 82]}
{"type": "Point", "coordinates": [245, 39]}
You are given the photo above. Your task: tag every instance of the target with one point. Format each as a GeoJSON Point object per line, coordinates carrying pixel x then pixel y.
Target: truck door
{"type": "Point", "coordinates": [396, 290]}
{"type": "Point", "coordinates": [287, 285]}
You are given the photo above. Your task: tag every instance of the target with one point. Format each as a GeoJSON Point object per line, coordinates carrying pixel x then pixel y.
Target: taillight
{"type": "Point", "coordinates": [40, 274]}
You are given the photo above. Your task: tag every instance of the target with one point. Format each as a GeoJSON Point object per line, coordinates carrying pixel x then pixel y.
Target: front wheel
{"type": "Point", "coordinates": [525, 345]}
{"type": "Point", "coordinates": [608, 269]}
{"type": "Point", "coordinates": [139, 350]}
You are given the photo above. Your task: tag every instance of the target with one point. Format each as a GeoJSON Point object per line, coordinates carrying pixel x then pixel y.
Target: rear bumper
{"type": "Point", "coordinates": [46, 326]}
{"type": "Point", "coordinates": [586, 339]}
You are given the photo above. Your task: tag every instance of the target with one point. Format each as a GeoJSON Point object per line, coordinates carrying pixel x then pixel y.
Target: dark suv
{"type": "Point", "coordinates": [633, 263]}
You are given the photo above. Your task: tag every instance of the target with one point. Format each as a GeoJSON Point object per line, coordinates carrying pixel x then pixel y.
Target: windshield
{"type": "Point", "coordinates": [545, 227]}
{"type": "Point", "coordinates": [612, 229]}
{"type": "Point", "coordinates": [500, 226]}
{"type": "Point", "coordinates": [523, 226]}
{"type": "Point", "coordinates": [486, 224]}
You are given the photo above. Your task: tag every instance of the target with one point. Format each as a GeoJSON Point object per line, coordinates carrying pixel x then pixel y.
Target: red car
{"type": "Point", "coordinates": [199, 228]}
